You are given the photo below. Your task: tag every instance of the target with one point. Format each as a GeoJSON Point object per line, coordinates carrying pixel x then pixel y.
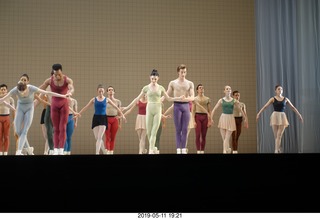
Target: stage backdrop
{"type": "Point", "coordinates": [287, 34]}
{"type": "Point", "coordinates": [118, 43]}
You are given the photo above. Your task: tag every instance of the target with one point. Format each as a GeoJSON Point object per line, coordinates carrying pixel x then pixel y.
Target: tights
{"type": "Point", "coordinates": [142, 134]}
{"type": "Point", "coordinates": [59, 116]}
{"type": "Point", "coordinates": [236, 133]}
{"type": "Point", "coordinates": [49, 127]}
{"type": "Point", "coordinates": [70, 129]}
{"type": "Point", "coordinates": [278, 132]}
{"type": "Point", "coordinates": [226, 134]}
{"type": "Point", "coordinates": [98, 132]}
{"type": "Point", "coordinates": [181, 116]}
{"type": "Point", "coordinates": [4, 133]}
{"type": "Point", "coordinates": [111, 132]}
{"type": "Point", "coordinates": [24, 115]}
{"type": "Point", "coordinates": [153, 119]}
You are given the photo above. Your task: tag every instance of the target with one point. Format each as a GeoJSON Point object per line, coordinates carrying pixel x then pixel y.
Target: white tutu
{"type": "Point", "coordinates": [227, 121]}
{"type": "Point", "coordinates": [278, 118]}
{"type": "Point", "coordinates": [140, 122]}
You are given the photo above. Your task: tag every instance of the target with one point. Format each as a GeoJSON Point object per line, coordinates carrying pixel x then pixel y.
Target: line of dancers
{"type": "Point", "coordinates": [60, 114]}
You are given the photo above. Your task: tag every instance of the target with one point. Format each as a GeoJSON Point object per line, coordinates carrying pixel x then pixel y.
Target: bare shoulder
{"type": "Point", "coordinates": [69, 80]}
{"type": "Point", "coordinates": [47, 81]}
{"type": "Point", "coordinates": [286, 99]}
{"type": "Point", "coordinates": [172, 82]}
{"type": "Point", "coordinates": [190, 82]}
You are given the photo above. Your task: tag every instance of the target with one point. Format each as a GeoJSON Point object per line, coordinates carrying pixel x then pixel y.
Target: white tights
{"type": "Point", "coordinates": [98, 132]}
{"type": "Point", "coordinates": [278, 132]}
{"type": "Point", "coordinates": [226, 134]}
{"type": "Point", "coordinates": [142, 134]}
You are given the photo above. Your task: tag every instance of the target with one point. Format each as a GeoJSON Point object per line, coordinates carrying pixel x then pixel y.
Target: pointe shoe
{"type": "Point", "coordinates": [30, 150]}
{"type": "Point", "coordinates": [18, 152]}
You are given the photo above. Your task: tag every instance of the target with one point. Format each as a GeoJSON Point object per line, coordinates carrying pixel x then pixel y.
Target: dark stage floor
{"type": "Point", "coordinates": [161, 183]}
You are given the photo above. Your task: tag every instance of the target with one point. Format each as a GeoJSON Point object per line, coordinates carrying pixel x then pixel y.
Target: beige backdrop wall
{"type": "Point", "coordinates": [118, 43]}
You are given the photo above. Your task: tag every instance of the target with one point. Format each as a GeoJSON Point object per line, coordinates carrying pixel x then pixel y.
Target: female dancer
{"type": "Point", "coordinates": [227, 122]}
{"type": "Point", "coordinates": [140, 126]}
{"type": "Point", "coordinates": [25, 109]}
{"type": "Point", "coordinates": [153, 91]}
{"type": "Point", "coordinates": [278, 119]}
{"type": "Point", "coordinates": [99, 120]}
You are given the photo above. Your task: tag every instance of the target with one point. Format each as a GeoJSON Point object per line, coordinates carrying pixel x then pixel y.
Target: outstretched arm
{"type": "Point", "coordinates": [52, 93]}
{"type": "Point", "coordinates": [118, 109]}
{"type": "Point", "coordinates": [9, 105]}
{"type": "Point", "coordinates": [134, 101]}
{"type": "Point", "coordinates": [4, 97]}
{"type": "Point", "coordinates": [218, 104]}
{"type": "Point", "coordinates": [90, 103]}
{"type": "Point", "coordinates": [130, 110]}
{"type": "Point", "coordinates": [295, 110]}
{"type": "Point", "coordinates": [270, 101]}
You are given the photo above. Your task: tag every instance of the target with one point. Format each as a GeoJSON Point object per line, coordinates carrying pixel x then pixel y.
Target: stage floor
{"type": "Point", "coordinates": [161, 183]}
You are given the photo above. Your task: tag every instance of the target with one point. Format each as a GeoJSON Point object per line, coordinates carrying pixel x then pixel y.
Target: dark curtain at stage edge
{"type": "Point", "coordinates": [287, 46]}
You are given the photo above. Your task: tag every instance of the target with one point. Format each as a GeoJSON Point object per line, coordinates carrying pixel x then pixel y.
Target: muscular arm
{"type": "Point", "coordinates": [170, 88]}
{"type": "Point", "coordinates": [191, 92]}
{"type": "Point", "coordinates": [45, 84]}
{"type": "Point", "coordinates": [70, 86]}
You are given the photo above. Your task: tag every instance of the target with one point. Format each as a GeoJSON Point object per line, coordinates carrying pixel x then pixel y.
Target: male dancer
{"type": "Point", "coordinates": [114, 121]}
{"type": "Point", "coordinates": [181, 112]}
{"type": "Point", "coordinates": [61, 84]}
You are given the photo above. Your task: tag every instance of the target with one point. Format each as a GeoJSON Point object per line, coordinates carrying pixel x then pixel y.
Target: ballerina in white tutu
{"type": "Point", "coordinates": [278, 118]}
{"type": "Point", "coordinates": [227, 122]}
